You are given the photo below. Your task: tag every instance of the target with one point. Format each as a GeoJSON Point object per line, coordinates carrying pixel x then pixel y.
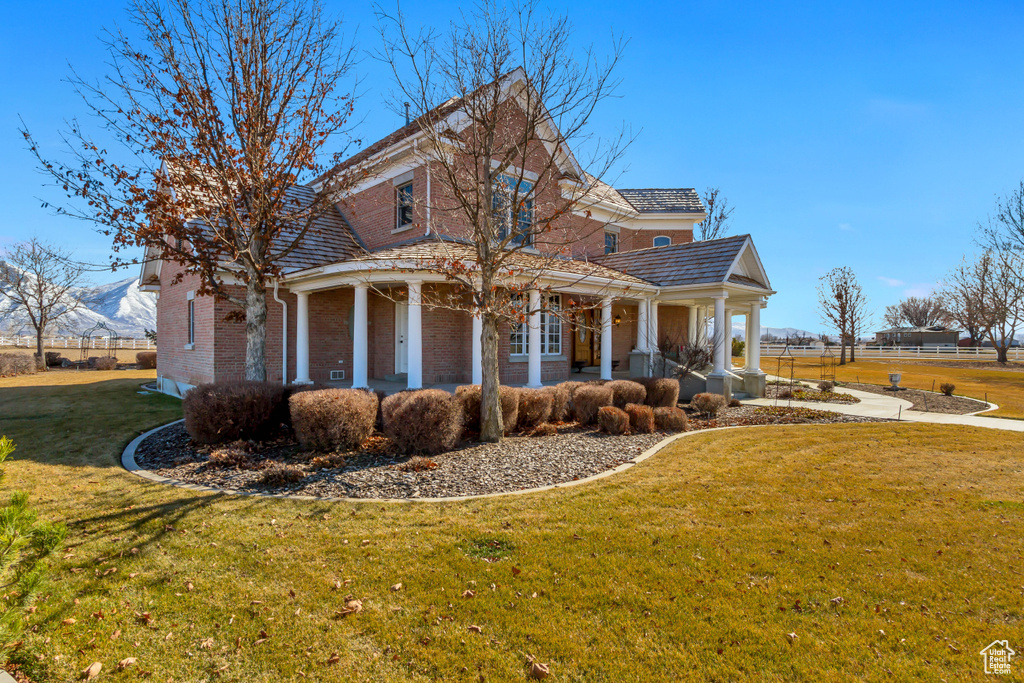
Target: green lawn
{"type": "Point", "coordinates": [891, 552]}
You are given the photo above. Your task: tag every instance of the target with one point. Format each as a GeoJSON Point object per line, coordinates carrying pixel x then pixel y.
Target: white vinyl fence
{"type": "Point", "coordinates": [897, 352]}
{"type": "Point", "coordinates": [76, 343]}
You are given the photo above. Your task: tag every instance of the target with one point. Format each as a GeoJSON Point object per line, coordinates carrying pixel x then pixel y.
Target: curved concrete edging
{"type": "Point", "coordinates": [128, 462]}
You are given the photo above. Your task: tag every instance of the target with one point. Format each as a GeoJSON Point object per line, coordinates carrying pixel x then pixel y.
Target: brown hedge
{"type": "Point", "coordinates": [228, 411]}
{"type": "Point", "coordinates": [534, 408]}
{"type": "Point", "coordinates": [559, 402]}
{"type": "Point", "coordinates": [587, 400]}
{"type": "Point", "coordinates": [424, 421]}
{"type": "Point", "coordinates": [469, 396]}
{"type": "Point", "coordinates": [625, 391]}
{"type": "Point", "coordinates": [641, 418]}
{"type": "Point", "coordinates": [708, 404]}
{"type": "Point", "coordinates": [662, 392]}
{"type": "Point", "coordinates": [670, 419]}
{"type": "Point", "coordinates": [146, 360]}
{"type": "Point", "coordinates": [333, 419]}
{"type": "Point", "coordinates": [613, 420]}
{"type": "Point", "coordinates": [16, 364]}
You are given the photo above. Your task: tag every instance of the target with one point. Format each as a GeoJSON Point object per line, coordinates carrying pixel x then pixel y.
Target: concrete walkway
{"type": "Point", "coordinates": [875, 405]}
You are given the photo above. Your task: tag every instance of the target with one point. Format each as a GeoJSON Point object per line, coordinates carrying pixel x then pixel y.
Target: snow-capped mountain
{"type": "Point", "coordinates": [121, 305]}
{"type": "Point", "coordinates": [739, 331]}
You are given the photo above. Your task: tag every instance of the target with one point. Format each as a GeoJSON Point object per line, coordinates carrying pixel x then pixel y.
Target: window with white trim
{"type": "Point", "coordinates": [191, 319]}
{"type": "Point", "coordinates": [611, 242]}
{"type": "Point", "coordinates": [403, 203]}
{"type": "Point", "coordinates": [662, 241]}
{"type": "Point", "coordinates": [550, 328]}
{"type": "Point", "coordinates": [508, 190]}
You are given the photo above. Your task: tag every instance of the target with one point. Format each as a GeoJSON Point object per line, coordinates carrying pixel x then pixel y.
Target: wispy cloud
{"type": "Point", "coordinates": [919, 289]}
{"type": "Point", "coordinates": [846, 227]}
{"type": "Point", "coordinates": [890, 281]}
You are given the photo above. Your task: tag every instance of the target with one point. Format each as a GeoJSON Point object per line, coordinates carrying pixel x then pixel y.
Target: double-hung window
{"type": "Point", "coordinates": [550, 329]}
{"type": "Point", "coordinates": [190, 312]}
{"type": "Point", "coordinates": [513, 209]}
{"type": "Point", "coordinates": [611, 242]}
{"type": "Point", "coordinates": [403, 203]}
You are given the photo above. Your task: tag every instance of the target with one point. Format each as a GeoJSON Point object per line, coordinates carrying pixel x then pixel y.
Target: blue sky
{"type": "Point", "coordinates": [873, 135]}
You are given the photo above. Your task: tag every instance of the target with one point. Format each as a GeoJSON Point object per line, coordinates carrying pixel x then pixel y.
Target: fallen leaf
{"type": "Point", "coordinates": [115, 635]}
{"type": "Point", "coordinates": [92, 671]}
{"type": "Point", "coordinates": [333, 659]}
{"type": "Point", "coordinates": [125, 663]}
{"type": "Point", "coordinates": [397, 587]}
{"type": "Point", "coordinates": [188, 586]}
{"type": "Point", "coordinates": [791, 636]}
{"type": "Point", "coordinates": [539, 671]}
{"type": "Point", "coordinates": [475, 629]}
{"type": "Point", "coordinates": [468, 593]}
{"type": "Point", "coordinates": [516, 571]}
{"type": "Point", "coordinates": [70, 621]}
{"type": "Point", "coordinates": [206, 644]}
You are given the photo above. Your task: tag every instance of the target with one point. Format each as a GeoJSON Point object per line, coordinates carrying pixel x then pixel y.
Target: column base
{"type": "Point", "coordinates": [754, 384]}
{"type": "Point", "coordinates": [720, 384]}
{"type": "Point", "coordinates": [639, 364]}
{"type": "Point", "coordinates": [302, 381]}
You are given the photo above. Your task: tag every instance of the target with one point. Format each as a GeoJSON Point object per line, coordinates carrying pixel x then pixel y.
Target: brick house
{"type": "Point", "coordinates": [358, 299]}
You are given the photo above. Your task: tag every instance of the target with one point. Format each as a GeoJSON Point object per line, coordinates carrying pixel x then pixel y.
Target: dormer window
{"type": "Point", "coordinates": [516, 220]}
{"type": "Point", "coordinates": [403, 203]}
{"type": "Point", "coordinates": [611, 242]}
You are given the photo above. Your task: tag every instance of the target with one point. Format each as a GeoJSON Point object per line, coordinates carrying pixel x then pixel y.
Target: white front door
{"type": "Point", "coordinates": [401, 338]}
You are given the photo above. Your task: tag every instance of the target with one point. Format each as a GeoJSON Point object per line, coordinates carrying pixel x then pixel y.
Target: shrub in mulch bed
{"type": "Point", "coordinates": [544, 429]}
{"type": "Point", "coordinates": [231, 456]}
{"type": "Point", "coordinates": [559, 402]}
{"type": "Point", "coordinates": [278, 473]}
{"type": "Point", "coordinates": [787, 412]}
{"type": "Point", "coordinates": [534, 408]}
{"type": "Point", "coordinates": [16, 364]}
{"type": "Point", "coordinates": [424, 421]}
{"type": "Point", "coordinates": [469, 396]}
{"type": "Point", "coordinates": [708, 404]}
{"type": "Point", "coordinates": [571, 387]}
{"type": "Point", "coordinates": [417, 464]}
{"type": "Point", "coordinates": [146, 360]}
{"type": "Point", "coordinates": [333, 419]}
{"type": "Point", "coordinates": [670, 419]}
{"type": "Point", "coordinates": [229, 411]}
{"type": "Point", "coordinates": [587, 400]}
{"type": "Point", "coordinates": [612, 420]}
{"type": "Point", "coordinates": [641, 418]}
{"type": "Point", "coordinates": [947, 388]}
{"type": "Point", "coordinates": [735, 403]}
{"type": "Point", "coordinates": [662, 392]}
{"type": "Point", "coordinates": [625, 392]}
{"type": "Point", "coordinates": [823, 396]}
{"type": "Point", "coordinates": [329, 461]}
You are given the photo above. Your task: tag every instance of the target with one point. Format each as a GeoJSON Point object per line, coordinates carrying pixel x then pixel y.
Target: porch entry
{"type": "Point", "coordinates": [401, 337]}
{"type": "Point", "coordinates": [585, 352]}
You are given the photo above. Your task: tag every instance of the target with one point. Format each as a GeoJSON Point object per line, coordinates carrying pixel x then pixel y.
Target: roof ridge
{"type": "Point", "coordinates": [647, 189]}
{"type": "Point", "coordinates": [668, 246]}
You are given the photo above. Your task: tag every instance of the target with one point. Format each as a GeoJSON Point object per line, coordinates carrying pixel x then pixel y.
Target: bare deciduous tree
{"type": "Point", "coordinates": [499, 100]}
{"type": "Point", "coordinates": [716, 225]}
{"type": "Point", "coordinates": [843, 306]}
{"type": "Point", "coordinates": [1005, 230]}
{"type": "Point", "coordinates": [961, 294]}
{"type": "Point", "coordinates": [916, 311]}
{"type": "Point", "coordinates": [989, 291]}
{"type": "Point", "coordinates": [42, 283]}
{"type": "Point", "coordinates": [215, 115]}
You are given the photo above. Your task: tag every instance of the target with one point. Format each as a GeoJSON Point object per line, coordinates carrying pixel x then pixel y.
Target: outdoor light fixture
{"type": "Point", "coordinates": [617, 319]}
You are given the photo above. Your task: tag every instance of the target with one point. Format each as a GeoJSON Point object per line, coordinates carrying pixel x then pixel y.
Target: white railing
{"type": "Point", "coordinates": [897, 352]}
{"type": "Point", "coordinates": [76, 343]}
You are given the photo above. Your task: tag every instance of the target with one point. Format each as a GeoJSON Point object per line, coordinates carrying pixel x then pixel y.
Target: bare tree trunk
{"type": "Point", "coordinates": [491, 427]}
{"type": "Point", "coordinates": [1002, 355]}
{"type": "Point", "coordinates": [842, 352]}
{"type": "Point", "coordinates": [40, 354]}
{"type": "Point", "coordinates": [255, 330]}
{"type": "Point", "coordinates": [853, 350]}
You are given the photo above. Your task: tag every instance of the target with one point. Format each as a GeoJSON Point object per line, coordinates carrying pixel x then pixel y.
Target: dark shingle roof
{"type": "Point", "coordinates": [328, 240]}
{"type": "Point", "coordinates": [693, 263]}
{"type": "Point", "coordinates": [653, 200]}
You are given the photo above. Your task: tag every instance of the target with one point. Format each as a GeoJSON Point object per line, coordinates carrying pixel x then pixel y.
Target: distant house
{"type": "Point", "coordinates": [934, 335]}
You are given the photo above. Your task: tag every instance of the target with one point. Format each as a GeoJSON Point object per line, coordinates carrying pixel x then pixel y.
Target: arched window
{"type": "Point", "coordinates": [662, 241]}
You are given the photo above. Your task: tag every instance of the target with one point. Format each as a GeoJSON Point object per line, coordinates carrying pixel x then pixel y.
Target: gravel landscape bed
{"type": "Point", "coordinates": [807, 394]}
{"type": "Point", "coordinates": [377, 471]}
{"type": "Point", "coordinates": [927, 401]}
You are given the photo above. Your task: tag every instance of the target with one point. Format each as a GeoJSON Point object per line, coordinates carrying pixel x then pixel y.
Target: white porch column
{"type": "Point", "coordinates": [478, 355]}
{"type": "Point", "coordinates": [720, 336]}
{"type": "Point", "coordinates": [652, 326]}
{"type": "Point", "coordinates": [415, 375]}
{"type": "Point", "coordinates": [360, 348]}
{"type": "Point", "coordinates": [302, 339]}
{"type": "Point", "coordinates": [728, 339]}
{"type": "Point", "coordinates": [642, 325]}
{"type": "Point", "coordinates": [691, 323]}
{"type": "Point", "coordinates": [754, 338]}
{"type": "Point", "coordinates": [606, 338]}
{"type": "Point", "coordinates": [533, 340]}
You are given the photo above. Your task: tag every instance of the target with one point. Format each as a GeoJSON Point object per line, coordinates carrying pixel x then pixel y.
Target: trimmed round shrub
{"type": "Point", "coordinates": [469, 396]}
{"type": "Point", "coordinates": [613, 420]}
{"type": "Point", "coordinates": [559, 402]}
{"type": "Point", "coordinates": [826, 387]}
{"type": "Point", "coordinates": [735, 403]}
{"type": "Point", "coordinates": [662, 392]}
{"type": "Point", "coordinates": [708, 404]}
{"type": "Point", "coordinates": [625, 392]}
{"type": "Point", "coordinates": [670, 419]}
{"type": "Point", "coordinates": [534, 408]}
{"type": "Point", "coordinates": [106, 363]}
{"type": "Point", "coordinates": [424, 421]}
{"type": "Point", "coordinates": [571, 387]}
{"type": "Point", "coordinates": [146, 360]}
{"type": "Point", "coordinates": [587, 400]}
{"type": "Point", "coordinates": [947, 388]}
{"type": "Point", "coordinates": [333, 419]}
{"type": "Point", "coordinates": [641, 418]}
{"type": "Point", "coordinates": [229, 411]}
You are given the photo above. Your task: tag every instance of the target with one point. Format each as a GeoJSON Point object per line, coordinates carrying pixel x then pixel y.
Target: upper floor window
{"type": "Point", "coordinates": [662, 241]}
{"type": "Point", "coordinates": [611, 242]}
{"type": "Point", "coordinates": [515, 220]}
{"type": "Point", "coordinates": [404, 204]}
